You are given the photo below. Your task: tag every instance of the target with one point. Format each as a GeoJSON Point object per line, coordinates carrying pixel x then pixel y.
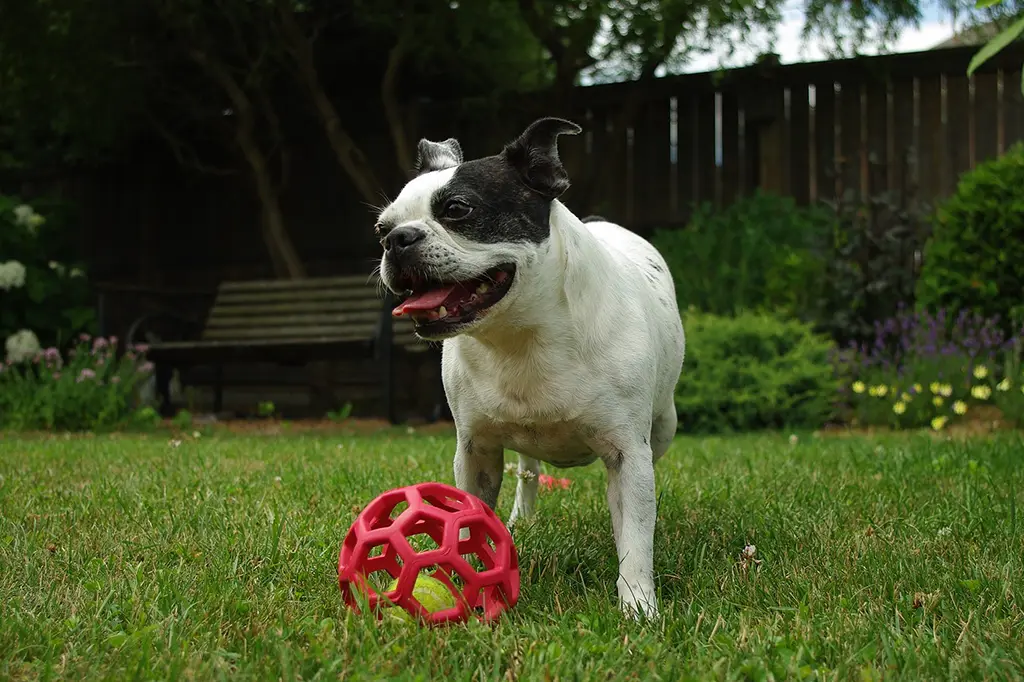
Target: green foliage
{"type": "Point", "coordinates": [975, 259]}
{"type": "Point", "coordinates": [760, 253]}
{"type": "Point", "coordinates": [266, 409]}
{"type": "Point", "coordinates": [340, 414]}
{"type": "Point", "coordinates": [182, 420]}
{"type": "Point", "coordinates": [44, 287]}
{"type": "Point", "coordinates": [753, 371]}
{"type": "Point", "coordinates": [871, 263]}
{"type": "Point", "coordinates": [90, 388]}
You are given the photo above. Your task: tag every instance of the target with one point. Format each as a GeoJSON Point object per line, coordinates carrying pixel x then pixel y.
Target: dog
{"type": "Point", "coordinates": [562, 340]}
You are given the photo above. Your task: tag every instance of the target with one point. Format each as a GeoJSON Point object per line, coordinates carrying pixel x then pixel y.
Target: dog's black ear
{"type": "Point", "coordinates": [434, 156]}
{"type": "Point", "coordinates": [534, 155]}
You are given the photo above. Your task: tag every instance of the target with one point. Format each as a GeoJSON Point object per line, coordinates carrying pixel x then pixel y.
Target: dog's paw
{"type": "Point", "coordinates": [637, 601]}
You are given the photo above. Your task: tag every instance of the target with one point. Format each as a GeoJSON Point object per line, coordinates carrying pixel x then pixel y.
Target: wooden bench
{"type": "Point", "coordinates": [291, 322]}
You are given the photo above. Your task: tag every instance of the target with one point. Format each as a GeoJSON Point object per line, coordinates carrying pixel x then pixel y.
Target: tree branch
{"type": "Point", "coordinates": [389, 97]}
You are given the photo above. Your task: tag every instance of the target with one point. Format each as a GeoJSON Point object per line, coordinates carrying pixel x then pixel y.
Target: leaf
{"type": "Point", "coordinates": [982, 4]}
{"type": "Point", "coordinates": [994, 46]}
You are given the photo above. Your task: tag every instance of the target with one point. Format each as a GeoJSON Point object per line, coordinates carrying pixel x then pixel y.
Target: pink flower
{"type": "Point", "coordinates": [86, 374]}
{"type": "Point", "coordinates": [141, 348]}
{"type": "Point", "coordinates": [550, 482]}
{"type": "Point", "coordinates": [146, 368]}
{"type": "Point", "coordinates": [113, 340]}
{"type": "Point", "coordinates": [56, 376]}
{"type": "Point", "coordinates": [115, 380]}
{"type": "Point", "coordinates": [84, 337]}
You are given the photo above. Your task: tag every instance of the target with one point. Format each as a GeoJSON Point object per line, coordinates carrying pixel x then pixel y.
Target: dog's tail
{"type": "Point", "coordinates": [595, 219]}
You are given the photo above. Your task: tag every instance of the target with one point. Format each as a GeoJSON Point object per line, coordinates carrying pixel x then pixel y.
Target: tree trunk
{"type": "Point", "coordinates": [282, 252]}
{"type": "Point", "coordinates": [351, 158]}
{"type": "Point", "coordinates": [392, 107]}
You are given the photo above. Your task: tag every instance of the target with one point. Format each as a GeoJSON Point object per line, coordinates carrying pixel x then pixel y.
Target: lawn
{"type": "Point", "coordinates": [129, 557]}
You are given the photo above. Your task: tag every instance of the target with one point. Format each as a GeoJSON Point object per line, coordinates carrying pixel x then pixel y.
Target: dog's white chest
{"type": "Point", "coordinates": [561, 444]}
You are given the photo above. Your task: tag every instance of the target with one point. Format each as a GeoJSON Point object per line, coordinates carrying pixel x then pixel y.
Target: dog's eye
{"type": "Point", "coordinates": [456, 210]}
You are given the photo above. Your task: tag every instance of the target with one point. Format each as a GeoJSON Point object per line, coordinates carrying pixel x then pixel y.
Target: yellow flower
{"type": "Point", "coordinates": [880, 391]}
{"type": "Point", "coordinates": [917, 388]}
{"type": "Point", "coordinates": [934, 387]}
{"type": "Point", "coordinates": [937, 401]}
{"type": "Point", "coordinates": [960, 407]}
{"type": "Point", "coordinates": [939, 422]}
{"type": "Point", "coordinates": [906, 397]}
{"type": "Point", "coordinates": [980, 372]}
{"type": "Point", "coordinates": [981, 392]}
{"type": "Point", "coordinates": [858, 387]}
{"type": "Point", "coordinates": [1003, 385]}
{"type": "Point", "coordinates": [900, 407]}
{"type": "Point", "coordinates": [946, 390]}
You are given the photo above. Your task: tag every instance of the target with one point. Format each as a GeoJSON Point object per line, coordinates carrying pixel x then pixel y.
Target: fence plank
{"type": "Point", "coordinates": [825, 139]}
{"type": "Point", "coordinates": [732, 165]}
{"type": "Point", "coordinates": [1013, 107]}
{"type": "Point", "coordinates": [799, 144]}
{"type": "Point", "coordinates": [651, 164]}
{"type": "Point", "coordinates": [905, 153]}
{"type": "Point", "coordinates": [959, 134]}
{"type": "Point", "coordinates": [932, 143]}
{"type": "Point", "coordinates": [686, 155]}
{"type": "Point", "coordinates": [879, 162]}
{"type": "Point", "coordinates": [986, 116]}
{"type": "Point", "coordinates": [704, 146]}
{"type": "Point", "coordinates": [848, 103]}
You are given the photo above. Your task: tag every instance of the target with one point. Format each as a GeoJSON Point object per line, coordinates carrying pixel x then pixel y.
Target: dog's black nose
{"type": "Point", "coordinates": [403, 237]}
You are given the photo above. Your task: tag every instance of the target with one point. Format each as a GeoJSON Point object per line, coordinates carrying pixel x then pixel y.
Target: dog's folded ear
{"type": "Point", "coordinates": [534, 155]}
{"type": "Point", "coordinates": [435, 156]}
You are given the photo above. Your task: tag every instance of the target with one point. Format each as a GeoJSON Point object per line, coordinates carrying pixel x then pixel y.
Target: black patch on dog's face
{"type": "Point", "coordinates": [503, 208]}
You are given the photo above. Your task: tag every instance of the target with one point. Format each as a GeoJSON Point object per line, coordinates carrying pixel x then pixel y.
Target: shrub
{"type": "Point", "coordinates": [924, 370]}
{"type": "Point", "coordinates": [46, 297]}
{"type": "Point", "coordinates": [975, 259]}
{"type": "Point", "coordinates": [760, 253]}
{"type": "Point", "coordinates": [92, 388]}
{"type": "Point", "coordinates": [872, 262]}
{"type": "Point", "coordinates": [753, 371]}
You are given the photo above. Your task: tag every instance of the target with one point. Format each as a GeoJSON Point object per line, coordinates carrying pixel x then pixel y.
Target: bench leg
{"type": "Point", "coordinates": [162, 374]}
{"type": "Point", "coordinates": [218, 389]}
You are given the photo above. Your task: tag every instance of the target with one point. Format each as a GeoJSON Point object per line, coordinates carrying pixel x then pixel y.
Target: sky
{"type": "Point", "coordinates": [934, 28]}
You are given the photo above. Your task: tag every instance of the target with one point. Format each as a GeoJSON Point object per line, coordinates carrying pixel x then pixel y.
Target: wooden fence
{"type": "Point", "coordinates": [909, 122]}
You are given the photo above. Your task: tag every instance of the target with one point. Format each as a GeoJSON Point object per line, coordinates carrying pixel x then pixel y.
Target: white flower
{"type": "Point", "coordinates": [21, 346]}
{"type": "Point", "coordinates": [57, 267]}
{"type": "Point", "coordinates": [23, 214]}
{"type": "Point", "coordinates": [12, 275]}
{"type": "Point", "coordinates": [76, 272]}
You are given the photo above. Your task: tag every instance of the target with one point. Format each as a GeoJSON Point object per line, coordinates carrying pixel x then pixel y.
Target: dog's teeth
{"type": "Point", "coordinates": [442, 312]}
{"type": "Point", "coordinates": [482, 289]}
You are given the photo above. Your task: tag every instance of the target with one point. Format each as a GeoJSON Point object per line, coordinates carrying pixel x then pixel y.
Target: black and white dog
{"type": "Point", "coordinates": [562, 339]}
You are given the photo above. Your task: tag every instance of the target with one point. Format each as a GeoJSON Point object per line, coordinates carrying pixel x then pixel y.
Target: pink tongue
{"type": "Point", "coordinates": [428, 300]}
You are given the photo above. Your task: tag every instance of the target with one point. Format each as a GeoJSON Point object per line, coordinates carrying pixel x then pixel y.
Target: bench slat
{"type": "Point", "coordinates": [326, 307]}
{"type": "Point", "coordinates": [259, 285]}
{"type": "Point", "coordinates": [337, 331]}
{"type": "Point", "coordinates": [306, 320]}
{"type": "Point", "coordinates": [297, 296]}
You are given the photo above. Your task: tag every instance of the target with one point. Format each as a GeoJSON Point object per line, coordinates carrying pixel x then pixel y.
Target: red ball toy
{"type": "Point", "coordinates": [431, 514]}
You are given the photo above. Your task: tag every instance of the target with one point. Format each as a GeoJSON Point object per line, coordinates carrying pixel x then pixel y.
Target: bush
{"type": "Point", "coordinates": [760, 253]}
{"type": "Point", "coordinates": [871, 264]}
{"type": "Point", "coordinates": [753, 371]}
{"type": "Point", "coordinates": [92, 388]}
{"type": "Point", "coordinates": [975, 259]}
{"type": "Point", "coordinates": [924, 370]}
{"type": "Point", "coordinates": [46, 297]}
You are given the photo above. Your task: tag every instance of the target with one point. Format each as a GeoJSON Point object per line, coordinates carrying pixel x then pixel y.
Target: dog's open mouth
{"type": "Point", "coordinates": [439, 306]}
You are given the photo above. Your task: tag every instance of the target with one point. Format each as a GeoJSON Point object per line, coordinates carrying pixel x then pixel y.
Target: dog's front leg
{"type": "Point", "coordinates": [478, 469]}
{"type": "Point", "coordinates": [526, 489]}
{"type": "Point", "coordinates": [633, 510]}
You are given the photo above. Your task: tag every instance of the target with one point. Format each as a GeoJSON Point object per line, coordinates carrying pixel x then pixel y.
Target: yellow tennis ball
{"type": "Point", "coordinates": [433, 594]}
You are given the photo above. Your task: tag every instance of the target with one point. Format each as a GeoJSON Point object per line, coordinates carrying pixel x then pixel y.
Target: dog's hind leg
{"type": "Point", "coordinates": [526, 489]}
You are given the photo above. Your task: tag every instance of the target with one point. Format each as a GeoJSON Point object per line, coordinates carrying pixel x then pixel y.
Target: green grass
{"type": "Point", "coordinates": [126, 558]}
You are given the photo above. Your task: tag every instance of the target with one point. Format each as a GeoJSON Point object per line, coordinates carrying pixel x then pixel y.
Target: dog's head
{"type": "Point", "coordinates": [460, 238]}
